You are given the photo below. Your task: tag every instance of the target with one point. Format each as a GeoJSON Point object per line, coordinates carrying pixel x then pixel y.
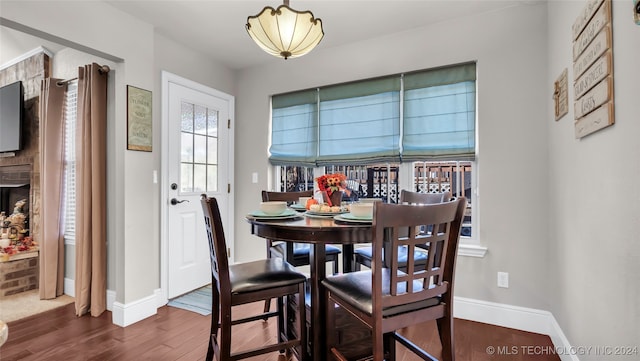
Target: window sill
{"type": "Point", "coordinates": [471, 250]}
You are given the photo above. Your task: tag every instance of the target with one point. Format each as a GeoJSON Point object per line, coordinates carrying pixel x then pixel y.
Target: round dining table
{"type": "Point", "coordinates": [317, 231]}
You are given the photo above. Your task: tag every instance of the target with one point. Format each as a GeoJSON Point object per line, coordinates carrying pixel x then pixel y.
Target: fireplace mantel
{"type": "Point", "coordinates": [15, 175]}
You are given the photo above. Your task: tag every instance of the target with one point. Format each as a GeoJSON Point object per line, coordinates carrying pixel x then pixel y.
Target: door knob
{"type": "Point", "coordinates": [175, 201]}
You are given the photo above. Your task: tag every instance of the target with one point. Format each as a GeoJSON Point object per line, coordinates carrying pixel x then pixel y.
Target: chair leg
{"type": "Point", "coordinates": [214, 346]}
{"type": "Point", "coordinates": [378, 346]}
{"type": "Point", "coordinates": [389, 346]}
{"type": "Point", "coordinates": [302, 324]}
{"type": "Point", "coordinates": [330, 326]}
{"type": "Point", "coordinates": [225, 336]}
{"type": "Point", "coordinates": [445, 329]}
{"type": "Point", "coordinates": [356, 263]}
{"type": "Point", "coordinates": [267, 307]}
{"type": "Point", "coordinates": [335, 266]}
{"type": "Point", "coordinates": [210, 349]}
{"type": "Point", "coordinates": [281, 329]}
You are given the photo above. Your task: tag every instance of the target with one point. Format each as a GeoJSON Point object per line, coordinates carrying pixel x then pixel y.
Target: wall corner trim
{"type": "Point", "coordinates": [520, 318]}
{"type": "Point", "coordinates": [127, 314]}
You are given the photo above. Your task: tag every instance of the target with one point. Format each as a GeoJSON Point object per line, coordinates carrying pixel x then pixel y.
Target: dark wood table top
{"type": "Point", "coordinates": [312, 230]}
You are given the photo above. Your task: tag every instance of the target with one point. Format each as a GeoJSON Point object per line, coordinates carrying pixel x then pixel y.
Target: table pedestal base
{"type": "Point", "coordinates": [354, 339]}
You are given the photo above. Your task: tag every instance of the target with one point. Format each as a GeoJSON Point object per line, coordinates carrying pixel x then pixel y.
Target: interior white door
{"type": "Point", "coordinates": [198, 162]}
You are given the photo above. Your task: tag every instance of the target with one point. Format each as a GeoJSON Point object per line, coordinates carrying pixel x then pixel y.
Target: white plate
{"type": "Point", "coordinates": [323, 214]}
{"type": "Point", "coordinates": [298, 207]}
{"type": "Point", "coordinates": [348, 217]}
{"type": "Point", "coordinates": [261, 214]}
{"type": "Point", "coordinates": [273, 218]}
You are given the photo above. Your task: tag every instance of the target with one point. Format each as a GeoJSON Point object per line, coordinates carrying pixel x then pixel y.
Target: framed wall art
{"type": "Point", "coordinates": [139, 120]}
{"type": "Point", "coordinates": [593, 68]}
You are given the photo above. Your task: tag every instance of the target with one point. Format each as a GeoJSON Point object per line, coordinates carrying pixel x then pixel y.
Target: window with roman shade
{"type": "Point", "coordinates": [415, 130]}
{"type": "Point", "coordinates": [360, 122]}
{"type": "Point", "coordinates": [439, 114]}
{"type": "Point", "coordinates": [294, 128]}
{"type": "Point", "coordinates": [427, 115]}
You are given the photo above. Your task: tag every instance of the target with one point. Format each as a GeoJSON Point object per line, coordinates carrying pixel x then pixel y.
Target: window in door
{"type": "Point", "coordinates": [199, 149]}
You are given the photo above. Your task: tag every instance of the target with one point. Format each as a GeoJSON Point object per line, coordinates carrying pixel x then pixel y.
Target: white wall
{"type": "Point", "coordinates": [510, 49]}
{"type": "Point", "coordinates": [129, 173]}
{"type": "Point", "coordinates": [133, 199]}
{"type": "Point", "coordinates": [594, 213]}
{"type": "Point", "coordinates": [16, 43]}
{"type": "Point", "coordinates": [546, 223]}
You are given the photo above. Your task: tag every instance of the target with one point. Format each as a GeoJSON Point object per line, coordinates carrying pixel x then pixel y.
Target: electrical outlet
{"type": "Point", "coordinates": [254, 177]}
{"type": "Point", "coordinates": [503, 279]}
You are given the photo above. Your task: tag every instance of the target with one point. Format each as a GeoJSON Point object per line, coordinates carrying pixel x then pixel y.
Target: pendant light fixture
{"type": "Point", "coordinates": [284, 32]}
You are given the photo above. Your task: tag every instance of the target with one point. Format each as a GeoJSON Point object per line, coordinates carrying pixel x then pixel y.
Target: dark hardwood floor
{"type": "Point", "coordinates": [175, 334]}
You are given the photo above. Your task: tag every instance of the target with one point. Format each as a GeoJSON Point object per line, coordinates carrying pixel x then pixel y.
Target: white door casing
{"type": "Point", "coordinates": [197, 158]}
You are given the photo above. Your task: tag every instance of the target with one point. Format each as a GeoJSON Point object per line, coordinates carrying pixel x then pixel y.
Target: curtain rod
{"type": "Point", "coordinates": [103, 70]}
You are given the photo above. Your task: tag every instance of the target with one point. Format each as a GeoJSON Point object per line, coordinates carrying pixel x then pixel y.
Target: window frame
{"type": "Point", "coordinates": [70, 124]}
{"type": "Point", "coordinates": [468, 246]}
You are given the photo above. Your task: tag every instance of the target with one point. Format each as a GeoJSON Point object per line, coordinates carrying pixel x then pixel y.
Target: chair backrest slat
{"type": "Point", "coordinates": [289, 197]}
{"type": "Point", "coordinates": [423, 198]}
{"type": "Point", "coordinates": [398, 226]}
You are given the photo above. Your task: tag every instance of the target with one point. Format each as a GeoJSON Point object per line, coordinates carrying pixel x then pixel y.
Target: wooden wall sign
{"type": "Point", "coordinates": [560, 98]}
{"type": "Point", "coordinates": [593, 68]}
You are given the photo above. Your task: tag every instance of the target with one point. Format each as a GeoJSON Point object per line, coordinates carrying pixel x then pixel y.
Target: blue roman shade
{"type": "Point", "coordinates": [440, 114]}
{"type": "Point", "coordinates": [428, 115]}
{"type": "Point", "coordinates": [294, 128]}
{"type": "Point", "coordinates": [360, 122]}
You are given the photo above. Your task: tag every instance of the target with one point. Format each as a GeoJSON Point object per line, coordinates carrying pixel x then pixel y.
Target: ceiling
{"type": "Point", "coordinates": [216, 27]}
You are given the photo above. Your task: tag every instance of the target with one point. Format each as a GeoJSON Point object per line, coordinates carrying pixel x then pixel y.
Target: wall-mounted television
{"type": "Point", "coordinates": [11, 115]}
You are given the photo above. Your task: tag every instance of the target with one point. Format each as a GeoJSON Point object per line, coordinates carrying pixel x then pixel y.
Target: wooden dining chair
{"type": "Point", "coordinates": [389, 299]}
{"type": "Point", "coordinates": [363, 255]}
{"type": "Point", "coordinates": [297, 254]}
{"type": "Point", "coordinates": [243, 283]}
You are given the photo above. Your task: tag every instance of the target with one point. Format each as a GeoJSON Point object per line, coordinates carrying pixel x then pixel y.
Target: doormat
{"type": "Point", "coordinates": [198, 301]}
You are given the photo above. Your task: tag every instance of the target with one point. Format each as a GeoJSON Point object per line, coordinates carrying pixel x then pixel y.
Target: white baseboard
{"type": "Point", "coordinates": [70, 287]}
{"type": "Point", "coordinates": [111, 299]}
{"type": "Point", "coordinates": [520, 318]}
{"type": "Point", "coordinates": [127, 314]}
{"type": "Point", "coordinates": [560, 340]}
{"type": "Point", "coordinates": [516, 317]}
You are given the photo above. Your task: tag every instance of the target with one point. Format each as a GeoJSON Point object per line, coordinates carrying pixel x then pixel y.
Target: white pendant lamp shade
{"type": "Point", "coordinates": [284, 32]}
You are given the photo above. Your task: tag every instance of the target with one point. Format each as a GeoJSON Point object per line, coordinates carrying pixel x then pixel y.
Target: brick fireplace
{"type": "Point", "coordinates": [20, 173]}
